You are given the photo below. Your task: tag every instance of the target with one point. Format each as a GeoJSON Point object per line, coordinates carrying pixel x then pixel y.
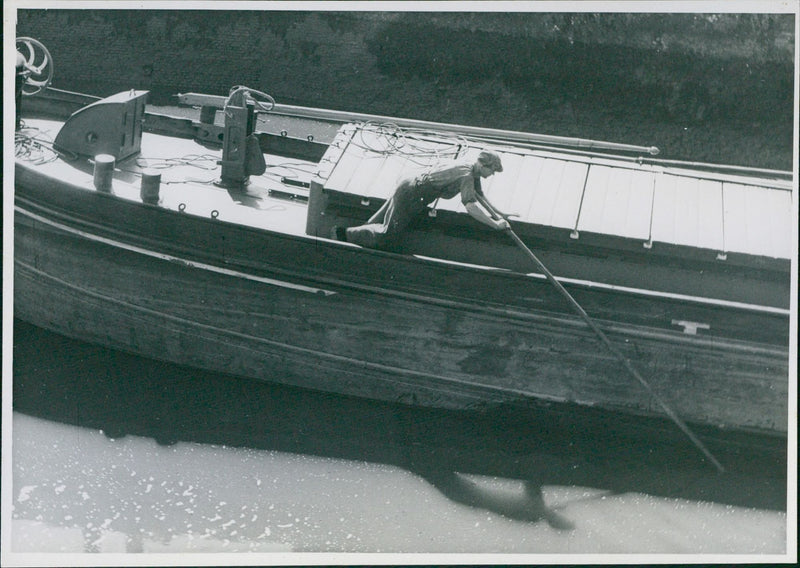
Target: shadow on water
{"type": "Point", "coordinates": [59, 379]}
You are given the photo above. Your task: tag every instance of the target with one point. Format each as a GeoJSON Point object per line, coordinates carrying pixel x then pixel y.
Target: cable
{"type": "Point", "coordinates": [294, 170]}
{"type": "Point", "coordinates": [201, 161]}
{"type": "Point", "coordinates": [35, 148]}
{"type": "Point", "coordinates": [410, 143]}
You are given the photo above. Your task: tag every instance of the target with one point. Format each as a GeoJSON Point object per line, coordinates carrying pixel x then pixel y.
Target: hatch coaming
{"type": "Point", "coordinates": [611, 202]}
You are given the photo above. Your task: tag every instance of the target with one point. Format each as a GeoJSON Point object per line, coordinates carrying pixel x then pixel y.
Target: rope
{"type": "Point", "coordinates": [32, 145]}
{"type": "Point", "coordinates": [201, 161]}
{"type": "Point", "coordinates": [208, 162]}
{"type": "Point", "coordinates": [251, 94]}
{"type": "Point", "coordinates": [407, 142]}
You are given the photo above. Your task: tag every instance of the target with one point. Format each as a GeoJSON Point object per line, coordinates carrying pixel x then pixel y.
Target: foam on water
{"type": "Point", "coordinates": [75, 490]}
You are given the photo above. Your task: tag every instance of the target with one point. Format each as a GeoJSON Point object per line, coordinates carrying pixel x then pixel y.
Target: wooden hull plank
{"type": "Point", "coordinates": [489, 357]}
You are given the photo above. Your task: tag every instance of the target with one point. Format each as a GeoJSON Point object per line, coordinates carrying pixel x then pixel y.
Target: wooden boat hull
{"type": "Point", "coordinates": [313, 313]}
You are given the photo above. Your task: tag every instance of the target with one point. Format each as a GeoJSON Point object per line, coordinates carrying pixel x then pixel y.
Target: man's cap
{"type": "Point", "coordinates": [491, 159]}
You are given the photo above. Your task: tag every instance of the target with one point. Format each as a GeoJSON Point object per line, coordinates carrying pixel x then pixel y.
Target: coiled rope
{"type": "Point", "coordinates": [32, 145]}
{"type": "Point", "coordinates": [261, 99]}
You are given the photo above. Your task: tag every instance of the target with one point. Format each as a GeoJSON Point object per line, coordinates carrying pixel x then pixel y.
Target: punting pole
{"type": "Point", "coordinates": [616, 352]}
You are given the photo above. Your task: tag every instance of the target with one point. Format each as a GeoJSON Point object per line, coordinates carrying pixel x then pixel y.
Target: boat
{"type": "Point", "coordinates": [205, 241]}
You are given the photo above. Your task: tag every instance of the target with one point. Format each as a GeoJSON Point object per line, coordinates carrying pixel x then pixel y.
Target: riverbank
{"type": "Point", "coordinates": [702, 87]}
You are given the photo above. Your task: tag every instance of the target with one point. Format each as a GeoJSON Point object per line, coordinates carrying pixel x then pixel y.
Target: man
{"type": "Point", "coordinates": [412, 196]}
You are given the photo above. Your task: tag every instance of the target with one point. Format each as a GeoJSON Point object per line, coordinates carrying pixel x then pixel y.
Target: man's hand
{"type": "Point", "coordinates": [502, 225]}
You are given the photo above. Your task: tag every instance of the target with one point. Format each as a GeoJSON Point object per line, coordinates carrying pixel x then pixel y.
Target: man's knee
{"type": "Point", "coordinates": [364, 236]}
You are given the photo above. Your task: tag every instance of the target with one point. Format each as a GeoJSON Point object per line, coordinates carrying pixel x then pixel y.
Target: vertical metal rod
{"type": "Point", "coordinates": [577, 307]}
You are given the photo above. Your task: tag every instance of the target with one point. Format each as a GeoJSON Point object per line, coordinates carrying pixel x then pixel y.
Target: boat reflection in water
{"type": "Point", "coordinates": [243, 466]}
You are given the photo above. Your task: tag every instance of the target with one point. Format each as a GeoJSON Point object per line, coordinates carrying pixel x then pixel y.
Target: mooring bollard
{"type": "Point", "coordinates": [103, 172]}
{"type": "Point", "coordinates": [151, 184]}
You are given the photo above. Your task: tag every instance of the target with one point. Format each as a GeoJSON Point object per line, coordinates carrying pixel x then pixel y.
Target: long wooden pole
{"type": "Point", "coordinates": [616, 352]}
{"type": "Point", "coordinates": [196, 99]}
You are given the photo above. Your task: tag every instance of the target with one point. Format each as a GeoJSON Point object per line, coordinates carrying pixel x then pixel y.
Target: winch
{"type": "Point", "coordinates": [241, 152]}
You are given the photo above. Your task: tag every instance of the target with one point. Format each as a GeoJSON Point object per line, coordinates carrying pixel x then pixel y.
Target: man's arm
{"type": "Point", "coordinates": [477, 213]}
{"type": "Point", "coordinates": [493, 211]}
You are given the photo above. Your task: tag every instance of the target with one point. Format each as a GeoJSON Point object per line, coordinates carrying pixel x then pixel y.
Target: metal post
{"type": "Point", "coordinates": [151, 184]}
{"type": "Point", "coordinates": [103, 172]}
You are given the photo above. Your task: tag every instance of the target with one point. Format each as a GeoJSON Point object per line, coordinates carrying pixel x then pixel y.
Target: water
{"type": "Point", "coordinates": [117, 454]}
{"type": "Point", "coordinates": [77, 491]}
